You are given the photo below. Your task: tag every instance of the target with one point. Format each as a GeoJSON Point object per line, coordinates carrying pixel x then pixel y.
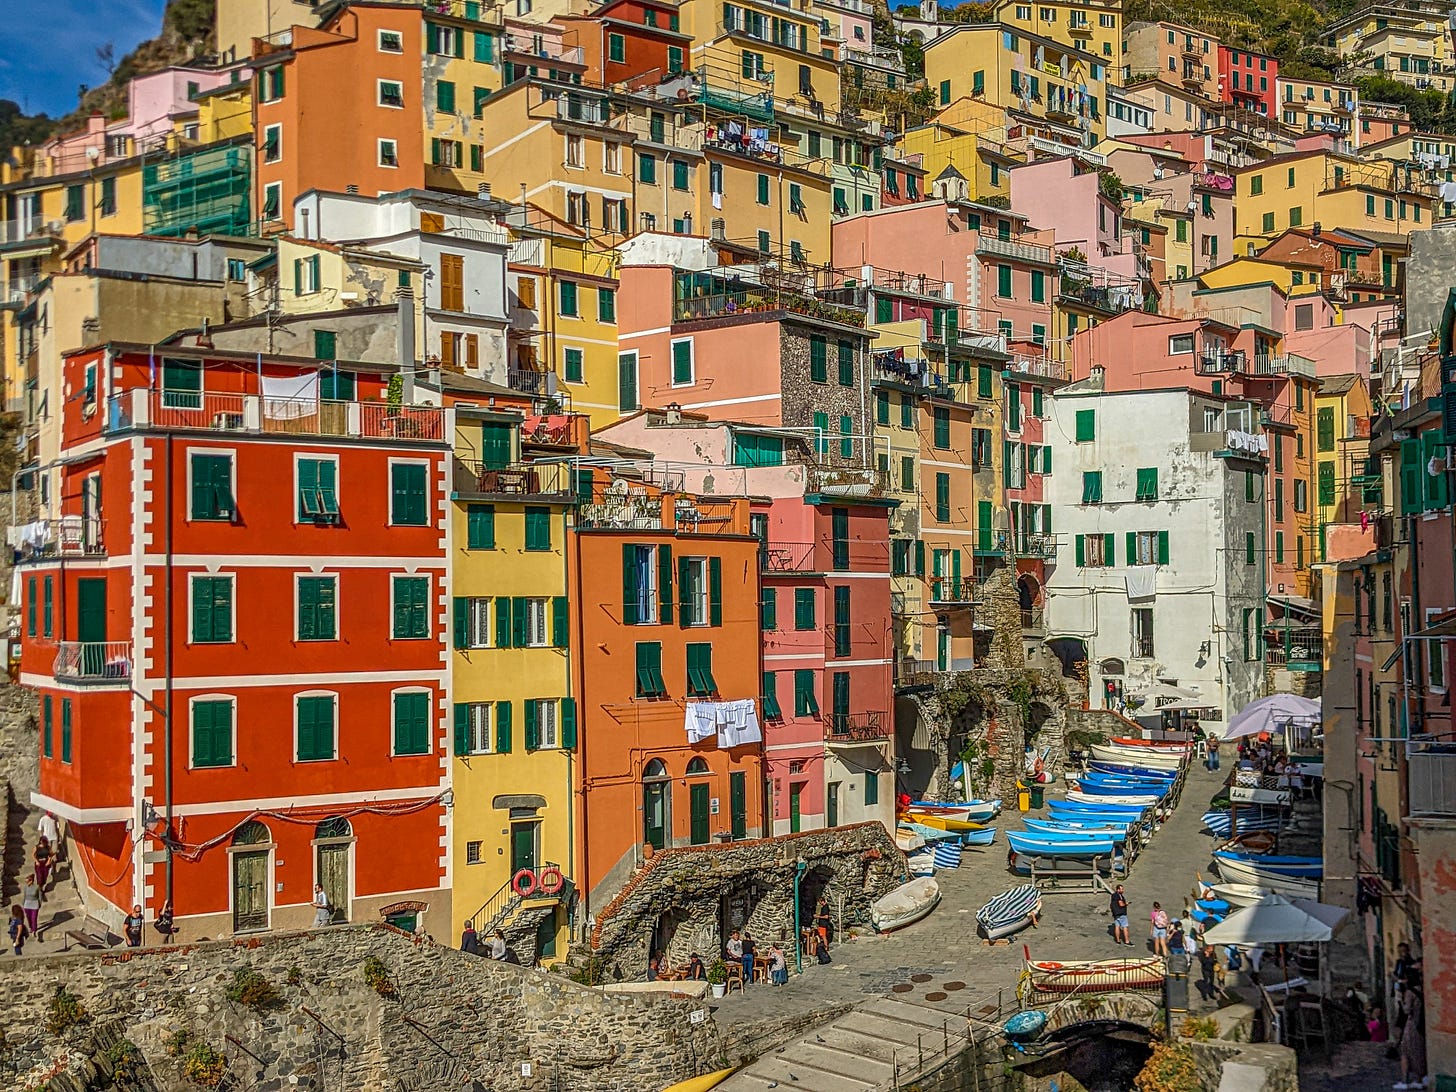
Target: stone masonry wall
{"type": "Point", "coordinates": [456, 1020]}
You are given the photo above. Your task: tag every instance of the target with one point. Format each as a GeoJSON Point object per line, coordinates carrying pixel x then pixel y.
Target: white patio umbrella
{"type": "Point", "coordinates": [1275, 919]}
{"type": "Point", "coordinates": [1267, 714]}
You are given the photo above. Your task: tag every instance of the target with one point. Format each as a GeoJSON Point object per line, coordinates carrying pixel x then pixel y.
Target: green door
{"type": "Point", "coordinates": [832, 806]}
{"type": "Point", "coordinates": [655, 813]}
{"type": "Point", "coordinates": [523, 846]}
{"type": "Point", "coordinates": [698, 814]}
{"type": "Point", "coordinates": [546, 937]}
{"type": "Point", "coordinates": [796, 789]}
{"type": "Point", "coordinates": [250, 891]}
{"type": "Point", "coordinates": [91, 624]}
{"type": "Point", "coordinates": [738, 804]}
{"type": "Point", "coordinates": [495, 445]}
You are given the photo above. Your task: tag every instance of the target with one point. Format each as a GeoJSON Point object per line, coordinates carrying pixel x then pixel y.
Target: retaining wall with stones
{"type": "Point", "coordinates": [456, 1021]}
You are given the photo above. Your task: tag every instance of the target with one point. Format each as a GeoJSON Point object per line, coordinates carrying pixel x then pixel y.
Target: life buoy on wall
{"type": "Point", "coordinates": [551, 881]}
{"type": "Point", "coordinates": [523, 883]}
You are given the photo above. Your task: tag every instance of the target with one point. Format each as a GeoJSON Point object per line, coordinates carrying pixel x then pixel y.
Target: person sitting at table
{"type": "Point", "coordinates": [778, 967]}
{"type": "Point", "coordinates": [655, 967]}
{"type": "Point", "coordinates": [695, 968]}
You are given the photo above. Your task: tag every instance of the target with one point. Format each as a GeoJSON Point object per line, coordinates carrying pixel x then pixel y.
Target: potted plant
{"type": "Point", "coordinates": [718, 977]}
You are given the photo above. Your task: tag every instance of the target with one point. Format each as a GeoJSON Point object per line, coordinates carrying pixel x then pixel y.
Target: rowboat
{"type": "Point", "coordinates": [1095, 976]}
{"type": "Point", "coordinates": [945, 820]}
{"type": "Point", "coordinates": [1053, 828]}
{"type": "Point", "coordinates": [929, 833]}
{"type": "Point", "coordinates": [906, 904]}
{"type": "Point", "coordinates": [700, 1084]}
{"type": "Point", "coordinates": [1035, 845]}
{"type": "Point", "coordinates": [908, 840]}
{"type": "Point", "coordinates": [1312, 868]}
{"type": "Point", "coordinates": [1235, 894]}
{"type": "Point", "coordinates": [1009, 912]}
{"type": "Point", "coordinates": [983, 837]}
{"type": "Point", "coordinates": [1108, 752]}
{"type": "Point", "coordinates": [1132, 811]}
{"type": "Point", "coordinates": [1238, 873]}
{"type": "Point", "coordinates": [1155, 744]}
{"type": "Point", "coordinates": [1253, 841]}
{"type": "Point", "coordinates": [1127, 769]}
{"type": "Point", "coordinates": [1058, 822]}
{"type": "Point", "coordinates": [922, 862]}
{"type": "Point", "coordinates": [975, 810]}
{"type": "Point", "coordinates": [947, 854]}
{"type": "Point", "coordinates": [1096, 786]}
{"type": "Point", "coordinates": [1141, 800]}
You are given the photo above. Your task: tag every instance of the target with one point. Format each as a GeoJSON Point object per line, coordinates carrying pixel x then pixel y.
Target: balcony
{"type": "Point", "coordinates": [993, 247]}
{"type": "Point", "coordinates": [148, 410]}
{"type": "Point", "coordinates": [473, 10]}
{"type": "Point", "coordinates": [69, 536]}
{"type": "Point", "coordinates": [21, 229]}
{"type": "Point", "coordinates": [1431, 778]}
{"type": "Point", "coordinates": [767, 301]}
{"type": "Point", "coordinates": [532, 381]}
{"type": "Point", "coordinates": [787, 557]}
{"type": "Point", "coordinates": [1296, 649]}
{"type": "Point", "coordinates": [1113, 300]}
{"type": "Point", "coordinates": [1221, 362]}
{"type": "Point", "coordinates": [1039, 366]}
{"type": "Point", "coordinates": [1029, 544]}
{"type": "Point", "coordinates": [857, 728]}
{"type": "Point", "coordinates": [846, 481]}
{"type": "Point", "coordinates": [526, 481]}
{"type": "Point", "coordinates": [945, 589]}
{"type": "Point", "coordinates": [655, 512]}
{"type": "Point", "coordinates": [93, 662]}
{"type": "Point", "coordinates": [1284, 364]}
{"type": "Point", "coordinates": [1033, 620]}
{"type": "Point", "coordinates": [1080, 30]}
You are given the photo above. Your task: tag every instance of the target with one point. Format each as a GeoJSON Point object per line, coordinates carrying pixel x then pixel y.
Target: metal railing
{"type": "Point", "coordinates": [788, 557]}
{"type": "Point", "coordinates": [93, 661]}
{"type": "Point", "coordinates": [553, 480]}
{"type": "Point", "coordinates": [688, 515]}
{"type": "Point", "coordinates": [1431, 777]}
{"type": "Point", "coordinates": [754, 300]}
{"type": "Point", "coordinates": [1032, 544]}
{"type": "Point", "coordinates": [855, 727]}
{"type": "Point", "coordinates": [1284, 364]}
{"type": "Point", "coordinates": [947, 589]}
{"type": "Point", "coordinates": [1218, 362]}
{"type": "Point", "coordinates": [68, 536]}
{"type": "Point", "coordinates": [20, 229]}
{"type": "Point", "coordinates": [1009, 248]}
{"type": "Point", "coordinates": [1039, 365]}
{"type": "Point", "coordinates": [144, 409]}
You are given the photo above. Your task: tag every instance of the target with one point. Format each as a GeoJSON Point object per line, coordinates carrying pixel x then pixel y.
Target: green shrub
{"type": "Point", "coordinates": [64, 1012]}
{"type": "Point", "coordinates": [251, 988]}
{"type": "Point", "coordinates": [125, 1058]}
{"type": "Point", "coordinates": [203, 1065]}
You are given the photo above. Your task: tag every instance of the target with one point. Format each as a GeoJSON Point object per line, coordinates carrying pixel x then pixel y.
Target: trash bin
{"type": "Point", "coordinates": [1023, 797]}
{"type": "Point", "coordinates": [1038, 796]}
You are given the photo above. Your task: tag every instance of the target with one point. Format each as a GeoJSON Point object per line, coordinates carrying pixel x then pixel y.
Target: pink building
{"type": "Point", "coordinates": [825, 576]}
{"type": "Point", "coordinates": [1066, 197]}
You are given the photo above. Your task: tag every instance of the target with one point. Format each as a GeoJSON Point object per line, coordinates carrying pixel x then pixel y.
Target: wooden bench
{"type": "Point", "coordinates": [92, 935]}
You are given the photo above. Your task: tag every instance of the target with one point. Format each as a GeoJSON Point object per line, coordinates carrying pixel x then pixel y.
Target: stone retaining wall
{"type": "Point", "coordinates": [456, 1021]}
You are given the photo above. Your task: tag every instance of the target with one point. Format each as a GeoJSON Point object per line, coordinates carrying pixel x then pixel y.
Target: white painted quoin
{"type": "Point", "coordinates": [1159, 502]}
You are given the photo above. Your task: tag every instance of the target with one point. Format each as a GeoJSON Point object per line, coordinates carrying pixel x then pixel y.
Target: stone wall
{"type": "Point", "coordinates": [456, 1021]}
{"type": "Point", "coordinates": [689, 888]}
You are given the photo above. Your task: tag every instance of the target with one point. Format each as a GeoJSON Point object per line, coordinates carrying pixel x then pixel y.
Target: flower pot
{"type": "Point", "coordinates": [720, 989]}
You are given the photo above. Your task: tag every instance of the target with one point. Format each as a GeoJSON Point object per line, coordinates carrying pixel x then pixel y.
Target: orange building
{"type": "Point", "coordinates": [626, 39]}
{"type": "Point", "coordinates": [664, 593]}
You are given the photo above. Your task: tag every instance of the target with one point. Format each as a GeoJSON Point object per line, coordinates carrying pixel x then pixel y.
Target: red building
{"type": "Point", "coordinates": [235, 631]}
{"type": "Point", "coordinates": [626, 39]}
{"type": "Point", "coordinates": [1249, 80]}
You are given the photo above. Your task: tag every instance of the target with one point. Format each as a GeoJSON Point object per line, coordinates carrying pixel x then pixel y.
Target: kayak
{"type": "Point", "coordinates": [701, 1084]}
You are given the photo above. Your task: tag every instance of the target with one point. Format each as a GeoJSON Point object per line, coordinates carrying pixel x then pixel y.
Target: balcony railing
{"type": "Point", "coordinates": [1038, 365]}
{"type": "Point", "coordinates": [1284, 364]}
{"type": "Point", "coordinates": [17, 231]}
{"type": "Point", "coordinates": [143, 409]}
{"type": "Point", "coordinates": [1303, 647]}
{"type": "Point", "coordinates": [1431, 770]}
{"type": "Point", "coordinates": [542, 384]}
{"type": "Point", "coordinates": [760, 300]}
{"type": "Point", "coordinates": [550, 480]}
{"type": "Point", "coordinates": [847, 481]}
{"type": "Point", "coordinates": [1029, 544]}
{"type": "Point", "coordinates": [687, 515]}
{"type": "Point", "coordinates": [1221, 361]}
{"type": "Point", "coordinates": [68, 536]}
{"type": "Point", "coordinates": [93, 661]}
{"type": "Point", "coordinates": [1115, 300]}
{"type": "Point", "coordinates": [788, 557]}
{"type": "Point", "coordinates": [946, 589]}
{"type": "Point", "coordinates": [856, 727]}
{"type": "Point", "coordinates": [1009, 248]}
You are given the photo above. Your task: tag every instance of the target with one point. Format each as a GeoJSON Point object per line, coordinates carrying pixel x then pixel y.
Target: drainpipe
{"type": "Point", "coordinates": [167, 717]}
{"type": "Point", "coordinates": [800, 867]}
{"type": "Point", "coordinates": [570, 542]}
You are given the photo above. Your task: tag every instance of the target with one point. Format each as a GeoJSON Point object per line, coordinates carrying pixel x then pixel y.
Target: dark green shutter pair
{"type": "Point", "coordinates": [212, 609]}
{"type": "Point", "coordinates": [805, 704]}
{"type": "Point", "coordinates": [771, 708]}
{"type": "Point", "coordinates": [1147, 483]}
{"type": "Point", "coordinates": [412, 724]}
{"type": "Point", "coordinates": [818, 358]}
{"type": "Point", "coordinates": [212, 487]}
{"type": "Point", "coordinates": [841, 621]}
{"type": "Point", "coordinates": [650, 683]}
{"type": "Point", "coordinates": [317, 606]}
{"type": "Point", "coordinates": [315, 728]}
{"type": "Point", "coordinates": [411, 607]}
{"type": "Point", "coordinates": [407, 495]}
{"type": "Point", "coordinates": [700, 670]}
{"type": "Point", "coordinates": [318, 497]}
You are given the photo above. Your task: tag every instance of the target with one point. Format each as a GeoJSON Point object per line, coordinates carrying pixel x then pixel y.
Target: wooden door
{"type": "Point", "coordinates": [333, 873]}
{"type": "Point", "coordinates": [523, 846]}
{"type": "Point", "coordinates": [250, 891]}
{"type": "Point", "coordinates": [796, 789]}
{"type": "Point", "coordinates": [698, 809]}
{"type": "Point", "coordinates": [655, 813]}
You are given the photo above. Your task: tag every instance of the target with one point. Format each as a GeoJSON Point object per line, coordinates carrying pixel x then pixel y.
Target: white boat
{"type": "Point", "coordinates": [906, 904]}
{"type": "Point", "coordinates": [1243, 873]}
{"type": "Point", "coordinates": [1136, 756]}
{"type": "Point", "coordinates": [1236, 894]}
{"type": "Point", "coordinates": [1130, 801]}
{"type": "Point", "coordinates": [908, 840]}
{"type": "Point", "coordinates": [922, 862]}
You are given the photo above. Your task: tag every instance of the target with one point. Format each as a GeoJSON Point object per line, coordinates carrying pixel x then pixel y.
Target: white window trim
{"type": "Point", "coordinates": [312, 456]}
{"type": "Point", "coordinates": [607, 146]}
{"type": "Point", "coordinates": [389, 490]}
{"type": "Point", "coordinates": [1437, 650]}
{"type": "Point", "coordinates": [574, 348]}
{"type": "Point", "coordinates": [432, 724]}
{"type": "Point", "coordinates": [379, 94]}
{"type": "Point", "coordinates": [489, 707]}
{"type": "Point", "coordinates": [692, 361]}
{"type": "Point", "coordinates": [706, 596]}
{"type": "Point", "coordinates": [487, 629]}
{"type": "Point", "coordinates": [192, 579]}
{"type": "Point", "coordinates": [191, 735]}
{"type": "Point", "coordinates": [380, 149]}
{"type": "Point", "coordinates": [1180, 352]}
{"type": "Point", "coordinates": [297, 604]}
{"type": "Point", "coordinates": [275, 187]}
{"type": "Point", "coordinates": [580, 164]}
{"type": "Point", "coordinates": [553, 704]}
{"type": "Point", "coordinates": [394, 579]}
{"type": "Point", "coordinates": [545, 602]}
{"type": "Point", "coordinates": [397, 33]}
{"type": "Point", "coordinates": [276, 127]}
{"type": "Point", "coordinates": [318, 694]}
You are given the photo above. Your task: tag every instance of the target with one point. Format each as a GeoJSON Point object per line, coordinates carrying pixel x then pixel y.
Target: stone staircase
{"type": "Point", "coordinates": [61, 908]}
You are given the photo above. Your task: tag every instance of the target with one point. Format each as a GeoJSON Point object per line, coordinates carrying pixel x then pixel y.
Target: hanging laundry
{"type": "Point", "coordinates": [701, 720]}
{"type": "Point", "coordinates": [738, 723]}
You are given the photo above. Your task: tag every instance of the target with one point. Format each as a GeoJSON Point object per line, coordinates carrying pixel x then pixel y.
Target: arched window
{"type": "Point", "coordinates": [252, 833]}
{"type": "Point", "coordinates": [697, 766]}
{"type": "Point", "coordinates": [654, 770]}
{"type": "Point", "coordinates": [334, 828]}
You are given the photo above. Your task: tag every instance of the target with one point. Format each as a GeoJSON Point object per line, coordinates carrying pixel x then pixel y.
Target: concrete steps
{"type": "Point", "coordinates": [61, 906]}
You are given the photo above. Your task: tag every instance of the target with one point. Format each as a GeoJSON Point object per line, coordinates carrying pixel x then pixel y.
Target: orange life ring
{"type": "Point", "coordinates": [1050, 966]}
{"type": "Point", "coordinates": [523, 883]}
{"type": "Point", "coordinates": [551, 881]}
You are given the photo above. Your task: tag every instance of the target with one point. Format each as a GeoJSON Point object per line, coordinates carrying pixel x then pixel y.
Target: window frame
{"type": "Point", "coordinates": [232, 580]}
{"type": "Point", "coordinates": [430, 741]}
{"type": "Point", "coordinates": [212, 699]}
{"type": "Point", "coordinates": [404, 462]}
{"type": "Point", "coordinates": [379, 99]}
{"type": "Point", "coordinates": [394, 581]}
{"type": "Point", "coordinates": [298, 579]}
{"type": "Point", "coordinates": [333, 697]}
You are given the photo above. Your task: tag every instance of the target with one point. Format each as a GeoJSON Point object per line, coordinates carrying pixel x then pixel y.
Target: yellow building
{"type": "Point", "coordinates": [1094, 26]}
{"type": "Point", "coordinates": [225, 113]}
{"type": "Point", "coordinates": [1317, 105]}
{"type": "Point", "coordinates": [1048, 87]}
{"type": "Point", "coordinates": [1410, 43]}
{"type": "Point", "coordinates": [514, 715]}
{"type": "Point", "coordinates": [315, 276]}
{"type": "Point", "coordinates": [1303, 188]}
{"type": "Point", "coordinates": [780, 49]}
{"type": "Point", "coordinates": [1344, 483]}
{"type": "Point", "coordinates": [1290, 277]}
{"type": "Point", "coordinates": [969, 133]}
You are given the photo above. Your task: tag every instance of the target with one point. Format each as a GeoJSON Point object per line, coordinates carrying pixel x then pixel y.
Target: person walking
{"type": "Point", "coordinates": [1207, 965]}
{"type": "Point", "coordinates": [30, 904]}
{"type": "Point", "coordinates": [18, 931]}
{"type": "Point", "coordinates": [1118, 909]}
{"type": "Point", "coordinates": [49, 828]}
{"type": "Point", "coordinates": [1413, 1041]}
{"type": "Point", "coordinates": [1213, 752]}
{"type": "Point", "coordinates": [164, 923]}
{"type": "Point", "coordinates": [498, 947]}
{"type": "Point", "coordinates": [1158, 917]}
{"type": "Point", "coordinates": [42, 861]}
{"type": "Point", "coordinates": [470, 939]}
{"type": "Point", "coordinates": [132, 927]}
{"type": "Point", "coordinates": [322, 912]}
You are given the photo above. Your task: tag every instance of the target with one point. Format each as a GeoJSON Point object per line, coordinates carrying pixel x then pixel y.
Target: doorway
{"type": "Point", "coordinates": [796, 790]}
{"type": "Point", "coordinates": [91, 624]}
{"type": "Point", "coordinates": [698, 804]}
{"type": "Point", "coordinates": [832, 805]}
{"type": "Point", "coordinates": [250, 877]}
{"type": "Point", "coordinates": [656, 804]}
{"type": "Point", "coordinates": [333, 839]}
{"type": "Point", "coordinates": [524, 842]}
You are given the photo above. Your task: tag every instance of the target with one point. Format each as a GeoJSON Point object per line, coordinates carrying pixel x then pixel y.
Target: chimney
{"type": "Point", "coordinates": [674, 413]}
{"type": "Point", "coordinates": [405, 300]}
{"type": "Point", "coordinates": [720, 229]}
{"type": "Point", "coordinates": [204, 339]}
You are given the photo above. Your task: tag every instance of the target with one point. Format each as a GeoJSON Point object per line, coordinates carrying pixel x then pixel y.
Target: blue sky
{"type": "Point", "coordinates": [48, 47]}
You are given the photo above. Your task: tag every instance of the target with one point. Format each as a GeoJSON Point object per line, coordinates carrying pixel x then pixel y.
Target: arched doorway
{"type": "Point", "coordinates": [656, 804]}
{"type": "Point", "coordinates": [699, 802]}
{"type": "Point", "coordinates": [251, 849]}
{"type": "Point", "coordinates": [1113, 672]}
{"type": "Point", "coordinates": [333, 841]}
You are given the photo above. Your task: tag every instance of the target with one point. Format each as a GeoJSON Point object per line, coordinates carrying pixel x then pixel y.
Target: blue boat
{"type": "Point", "coordinates": [1102, 788]}
{"type": "Point", "coordinates": [932, 834]}
{"type": "Point", "coordinates": [1207, 917]}
{"type": "Point", "coordinates": [1309, 868]}
{"type": "Point", "coordinates": [1119, 769]}
{"type": "Point", "coordinates": [1051, 829]}
{"type": "Point", "coordinates": [1216, 906]}
{"type": "Point", "coordinates": [1025, 1026]}
{"type": "Point", "coordinates": [1097, 777]}
{"type": "Point", "coordinates": [1134, 810]}
{"type": "Point", "coordinates": [983, 837]}
{"type": "Point", "coordinates": [1076, 811]}
{"type": "Point", "coordinates": [1094, 823]}
{"type": "Point", "coordinates": [1035, 845]}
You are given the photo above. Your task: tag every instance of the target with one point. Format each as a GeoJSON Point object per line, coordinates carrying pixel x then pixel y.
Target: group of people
{"type": "Point", "coordinates": [25, 916]}
{"type": "Point", "coordinates": [742, 950]}
{"type": "Point", "coordinates": [493, 948]}
{"type": "Point", "coordinates": [1170, 936]}
{"type": "Point", "coordinates": [1263, 757]}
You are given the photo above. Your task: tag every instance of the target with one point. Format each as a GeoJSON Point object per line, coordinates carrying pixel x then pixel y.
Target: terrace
{"type": "Point", "coordinates": [869, 727]}
{"type": "Point", "coordinates": [699, 297]}
{"type": "Point", "coordinates": [147, 410]}
{"type": "Point", "coordinates": [524, 480]}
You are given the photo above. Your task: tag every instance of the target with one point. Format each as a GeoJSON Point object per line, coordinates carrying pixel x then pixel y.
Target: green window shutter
{"type": "Point", "coordinates": [407, 494]}
{"type": "Point", "coordinates": [1248, 485]}
{"type": "Point", "coordinates": [462, 728]}
{"type": "Point", "coordinates": [846, 363]}
{"type": "Point", "coordinates": [48, 612]}
{"type": "Point", "coordinates": [212, 733]}
{"type": "Point", "coordinates": [1046, 459]}
{"type": "Point", "coordinates": [715, 591]}
{"type": "Point", "coordinates": [538, 528]}
{"type": "Point", "coordinates": [520, 620]}
{"type": "Point", "coordinates": [1162, 547]}
{"type": "Point", "coordinates": [686, 592]}
{"type": "Point", "coordinates": [1132, 547]}
{"type": "Point", "coordinates": [882, 407]}
{"type": "Point", "coordinates": [803, 608]}
{"type": "Point", "coordinates": [460, 618]}
{"type": "Point", "coordinates": [560, 615]}
{"type": "Point", "coordinates": [805, 704]}
{"type": "Point", "coordinates": [1147, 483]}
{"type": "Point", "coordinates": [325, 345]}
{"type": "Point", "coordinates": [1109, 550]}
{"type": "Point", "coordinates": [1081, 551]}
{"type": "Point", "coordinates": [1036, 401]}
{"type": "Point", "coordinates": [412, 724]}
{"type": "Point", "coordinates": [568, 297]}
{"type": "Point", "coordinates": [942, 497]}
{"type": "Point", "coordinates": [771, 708]}
{"type": "Point", "coordinates": [47, 724]}
{"type": "Point", "coordinates": [435, 151]}
{"type": "Point", "coordinates": [1086, 425]}
{"type": "Point", "coordinates": [763, 189]}
{"type": "Point", "coordinates": [1003, 281]}
{"type": "Point", "coordinates": [1326, 483]}
{"type": "Point", "coordinates": [432, 38]}
{"type": "Point", "coordinates": [942, 427]}
{"type": "Point", "coordinates": [480, 527]}
{"type": "Point", "coordinates": [841, 621]}
{"type": "Point", "coordinates": [1325, 429]}
{"type": "Point", "coordinates": [30, 607]}
{"type": "Point", "coordinates": [533, 724]}
{"type": "Point", "coordinates": [846, 436]}
{"type": "Point", "coordinates": [502, 727]}
{"type": "Point", "coordinates": [1038, 286]}
{"type": "Point", "coordinates": [919, 557]}
{"type": "Point", "coordinates": [983, 381]}
{"type": "Point", "coordinates": [66, 730]}
{"type": "Point", "coordinates": [631, 616]}
{"type": "Point", "coordinates": [1412, 494]}
{"type": "Point", "coordinates": [984, 536]}
{"type": "Point", "coordinates": [484, 52]}
{"type": "Point", "coordinates": [818, 358]}
{"type": "Point", "coordinates": [884, 309]}
{"type": "Point", "coordinates": [315, 728]}
{"type": "Point", "coordinates": [768, 612]}
{"type": "Point", "coordinates": [606, 305]}
{"type": "Point", "coordinates": [616, 48]}
{"type": "Point", "coordinates": [682, 362]}
{"type": "Point", "coordinates": [503, 621]}
{"type": "Point", "coordinates": [316, 608]}
{"type": "Point", "coordinates": [445, 96]}
{"type": "Point", "coordinates": [212, 609]}
{"type": "Point", "coordinates": [1249, 548]}
{"type": "Point", "coordinates": [212, 487]}
{"type": "Point", "coordinates": [1091, 487]}
{"type": "Point", "coordinates": [568, 724]}
{"type": "Point", "coordinates": [664, 584]}
{"type": "Point", "coordinates": [1436, 488]}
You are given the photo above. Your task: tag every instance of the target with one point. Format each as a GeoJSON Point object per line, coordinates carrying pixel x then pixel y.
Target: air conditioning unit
{"type": "Point", "coordinates": [227, 422]}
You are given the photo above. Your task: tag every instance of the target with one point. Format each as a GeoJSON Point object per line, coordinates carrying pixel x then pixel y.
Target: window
{"type": "Point", "coordinates": [981, 448]}
{"type": "Point", "coordinates": [411, 613]}
{"type": "Point", "coordinates": [575, 156]}
{"type": "Point", "coordinates": [211, 487]}
{"type": "Point", "coordinates": [650, 683]}
{"type": "Point", "coordinates": [391, 41]}
{"type": "Point", "coordinates": [818, 358]}
{"type": "Point", "coordinates": [616, 48]}
{"type": "Point", "coordinates": [412, 723]}
{"type": "Point", "coordinates": [606, 305]}
{"type": "Point", "coordinates": [647, 168]}
{"type": "Point", "coordinates": [317, 608]}
{"type": "Point", "coordinates": [1147, 547]}
{"type": "Point", "coordinates": [1038, 286]}
{"type": "Point", "coordinates": [407, 495]}
{"type": "Point", "coordinates": [306, 275]}
{"type": "Point", "coordinates": [682, 362]}
{"type": "Point", "coordinates": [444, 41]}
{"type": "Point", "coordinates": [212, 610]}
{"type": "Point", "coordinates": [1091, 487]}
{"type": "Point", "coordinates": [1267, 223]}
{"type": "Point", "coordinates": [181, 384]}
{"type": "Point", "coordinates": [1003, 281]}
{"type": "Point", "coordinates": [318, 500]}
{"type": "Point", "coordinates": [391, 94]}
{"type": "Point", "coordinates": [700, 591]}
{"type": "Point", "coordinates": [805, 704]}
{"type": "Point", "coordinates": [1095, 551]}
{"type": "Point", "coordinates": [473, 728]}
{"type": "Point", "coordinates": [1180, 343]}
{"type": "Point", "coordinates": [803, 609]}
{"type": "Point", "coordinates": [1086, 426]}
{"type": "Point", "coordinates": [571, 364]}
{"type": "Point", "coordinates": [763, 196]}
{"type": "Point", "coordinates": [701, 683]}
{"type": "Point", "coordinates": [942, 427]}
{"type": "Point", "coordinates": [538, 528]}
{"type": "Point", "coordinates": [270, 84]}
{"type": "Point", "coordinates": [472, 621]}
{"type": "Point", "coordinates": [846, 363]}
{"type": "Point", "coordinates": [314, 727]}
{"type": "Point", "coordinates": [1435, 656]}
{"type": "Point", "coordinates": [212, 733]}
{"type": "Point", "coordinates": [1142, 632]}
{"type": "Point", "coordinates": [942, 497]}
{"type": "Point", "coordinates": [907, 473]}
{"type": "Point", "coordinates": [388, 153]}
{"type": "Point", "coordinates": [567, 292]}
{"type": "Point", "coordinates": [842, 642]}
{"type": "Point", "coordinates": [548, 723]}
{"type": "Point", "coordinates": [1147, 483]}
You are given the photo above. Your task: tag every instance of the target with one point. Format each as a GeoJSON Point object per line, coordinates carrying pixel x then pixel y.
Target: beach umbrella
{"type": "Point", "coordinates": [1266, 714]}
{"type": "Point", "coordinates": [1275, 919]}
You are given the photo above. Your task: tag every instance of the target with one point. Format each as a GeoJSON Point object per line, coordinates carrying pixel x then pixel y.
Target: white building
{"type": "Point", "coordinates": [463, 243]}
{"type": "Point", "coordinates": [1159, 574]}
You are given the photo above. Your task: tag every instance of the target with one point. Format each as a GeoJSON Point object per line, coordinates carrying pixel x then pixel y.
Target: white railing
{"type": "Point", "coordinates": [93, 661]}
{"type": "Point", "coordinates": [1009, 248]}
{"type": "Point", "coordinates": [15, 231]}
{"type": "Point", "coordinates": [1284, 364]}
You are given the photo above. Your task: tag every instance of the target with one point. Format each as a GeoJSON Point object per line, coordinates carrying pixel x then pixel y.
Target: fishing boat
{"type": "Point", "coordinates": [1237, 895]}
{"type": "Point", "coordinates": [906, 904]}
{"type": "Point", "coordinates": [1238, 872]}
{"type": "Point", "coordinates": [1094, 786]}
{"type": "Point", "coordinates": [1052, 827]}
{"type": "Point", "coordinates": [1027, 844]}
{"type": "Point", "coordinates": [1127, 769]}
{"type": "Point", "coordinates": [1132, 811]}
{"type": "Point", "coordinates": [1141, 800]}
{"type": "Point", "coordinates": [983, 837]}
{"type": "Point", "coordinates": [929, 833]}
{"type": "Point", "coordinates": [1094, 976]}
{"type": "Point", "coordinates": [975, 810]}
{"type": "Point", "coordinates": [1107, 752]}
{"type": "Point", "coordinates": [922, 862]}
{"type": "Point", "coordinates": [945, 820]}
{"type": "Point", "coordinates": [1312, 868]}
{"type": "Point", "coordinates": [1155, 744]}
{"type": "Point", "coordinates": [1253, 841]}
{"type": "Point", "coordinates": [1009, 912]}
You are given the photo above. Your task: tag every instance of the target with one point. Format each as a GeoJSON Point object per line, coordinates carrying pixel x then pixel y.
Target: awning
{"type": "Point", "coordinates": [1393, 657]}
{"type": "Point", "coordinates": [1296, 604]}
{"type": "Point", "coordinates": [1436, 632]}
